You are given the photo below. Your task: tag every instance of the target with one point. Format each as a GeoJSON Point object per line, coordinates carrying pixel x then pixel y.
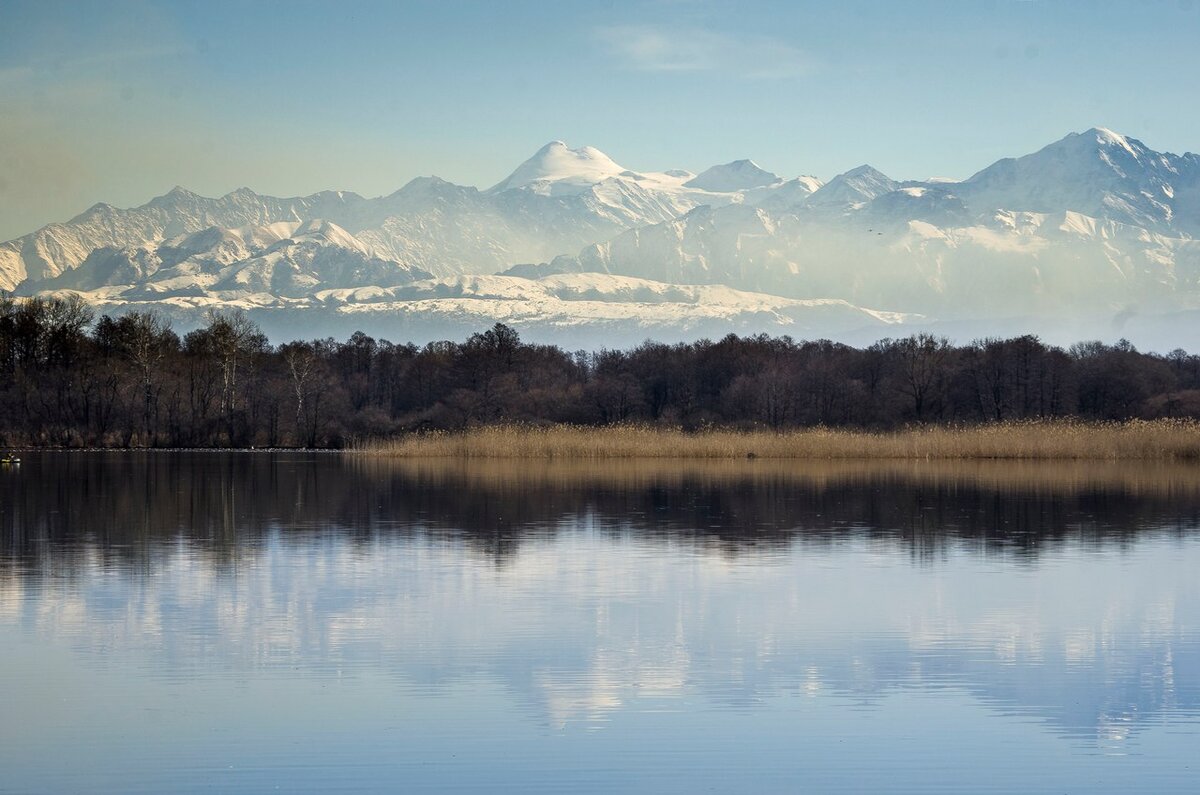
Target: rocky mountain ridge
{"type": "Point", "coordinates": [1096, 225]}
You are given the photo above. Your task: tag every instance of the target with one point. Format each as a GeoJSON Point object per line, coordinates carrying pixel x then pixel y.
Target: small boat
{"type": "Point", "coordinates": [10, 460]}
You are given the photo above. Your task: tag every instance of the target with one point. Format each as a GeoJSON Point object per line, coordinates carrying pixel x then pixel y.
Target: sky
{"type": "Point", "coordinates": [120, 101]}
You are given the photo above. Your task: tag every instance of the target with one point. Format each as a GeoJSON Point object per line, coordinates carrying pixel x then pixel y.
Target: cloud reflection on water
{"type": "Point", "coordinates": [587, 597]}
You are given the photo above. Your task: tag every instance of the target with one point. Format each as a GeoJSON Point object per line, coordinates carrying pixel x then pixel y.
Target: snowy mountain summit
{"type": "Point", "coordinates": [736, 176]}
{"type": "Point", "coordinates": [1096, 233]}
{"type": "Point", "coordinates": [1099, 173]}
{"type": "Point", "coordinates": [860, 184]}
{"type": "Point", "coordinates": [556, 169]}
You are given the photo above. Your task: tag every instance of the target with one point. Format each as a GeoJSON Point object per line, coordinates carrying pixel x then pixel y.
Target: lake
{"type": "Point", "coordinates": [246, 622]}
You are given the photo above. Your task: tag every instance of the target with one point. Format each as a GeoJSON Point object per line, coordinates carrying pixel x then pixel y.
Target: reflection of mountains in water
{"type": "Point", "coordinates": [124, 503]}
{"type": "Point", "coordinates": [346, 563]}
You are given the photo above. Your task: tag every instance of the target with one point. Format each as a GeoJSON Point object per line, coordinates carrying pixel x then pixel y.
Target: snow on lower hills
{"type": "Point", "coordinates": [913, 251]}
{"type": "Point", "coordinates": [597, 308]}
{"type": "Point", "coordinates": [577, 311]}
{"type": "Point", "coordinates": [798, 316]}
{"type": "Point", "coordinates": [597, 294]}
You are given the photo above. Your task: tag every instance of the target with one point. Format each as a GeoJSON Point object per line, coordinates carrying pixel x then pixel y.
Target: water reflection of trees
{"type": "Point", "coordinates": [76, 515]}
{"type": "Point", "coordinates": [125, 504]}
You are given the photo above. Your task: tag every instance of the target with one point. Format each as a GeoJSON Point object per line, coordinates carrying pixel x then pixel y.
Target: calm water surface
{"type": "Point", "coordinates": [184, 622]}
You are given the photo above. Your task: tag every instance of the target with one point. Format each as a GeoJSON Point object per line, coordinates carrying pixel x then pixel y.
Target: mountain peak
{"type": "Point", "coordinates": [734, 176]}
{"type": "Point", "coordinates": [859, 184]}
{"type": "Point", "coordinates": [557, 169]}
{"type": "Point", "coordinates": [1098, 172]}
{"type": "Point", "coordinates": [1096, 151]}
{"type": "Point", "coordinates": [432, 188]}
{"type": "Point", "coordinates": [865, 171]}
{"type": "Point", "coordinates": [1105, 133]}
{"type": "Point", "coordinates": [175, 194]}
{"type": "Point", "coordinates": [425, 183]}
{"type": "Point", "coordinates": [175, 197]}
{"type": "Point", "coordinates": [1098, 141]}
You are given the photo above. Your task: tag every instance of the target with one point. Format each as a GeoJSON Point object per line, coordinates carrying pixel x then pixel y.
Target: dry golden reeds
{"type": "Point", "coordinates": [1148, 440]}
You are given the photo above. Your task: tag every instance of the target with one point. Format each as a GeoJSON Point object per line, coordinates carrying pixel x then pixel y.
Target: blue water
{"type": "Point", "coordinates": [247, 623]}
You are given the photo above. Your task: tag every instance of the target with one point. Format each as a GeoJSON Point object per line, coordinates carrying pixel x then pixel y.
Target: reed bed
{"type": "Point", "coordinates": [1141, 440]}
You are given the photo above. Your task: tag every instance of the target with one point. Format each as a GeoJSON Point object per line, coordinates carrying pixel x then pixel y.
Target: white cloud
{"type": "Point", "coordinates": [655, 49]}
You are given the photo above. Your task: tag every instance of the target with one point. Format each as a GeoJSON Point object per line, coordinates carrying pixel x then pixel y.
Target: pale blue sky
{"type": "Point", "coordinates": [120, 101]}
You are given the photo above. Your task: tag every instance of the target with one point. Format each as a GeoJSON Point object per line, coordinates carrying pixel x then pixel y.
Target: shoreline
{"type": "Point", "coordinates": [1172, 440]}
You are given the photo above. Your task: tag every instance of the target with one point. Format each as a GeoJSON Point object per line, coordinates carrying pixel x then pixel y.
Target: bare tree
{"type": "Point", "coordinates": [921, 361]}
{"type": "Point", "coordinates": [149, 340]}
{"type": "Point", "coordinates": [232, 334]}
{"type": "Point", "coordinates": [235, 338]}
{"type": "Point", "coordinates": [299, 358]}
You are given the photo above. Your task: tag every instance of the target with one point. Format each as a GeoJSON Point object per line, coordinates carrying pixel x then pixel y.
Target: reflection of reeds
{"type": "Point", "coordinates": [1157, 440]}
{"type": "Point", "coordinates": [66, 510]}
{"type": "Point", "coordinates": [1044, 478]}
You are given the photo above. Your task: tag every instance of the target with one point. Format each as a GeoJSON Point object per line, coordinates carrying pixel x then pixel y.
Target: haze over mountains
{"type": "Point", "coordinates": [1094, 235]}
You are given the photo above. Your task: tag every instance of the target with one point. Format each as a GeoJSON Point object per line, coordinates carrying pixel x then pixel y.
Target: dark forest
{"type": "Point", "coordinates": [70, 379]}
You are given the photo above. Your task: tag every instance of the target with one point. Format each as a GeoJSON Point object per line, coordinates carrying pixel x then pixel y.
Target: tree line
{"type": "Point", "coordinates": [70, 379]}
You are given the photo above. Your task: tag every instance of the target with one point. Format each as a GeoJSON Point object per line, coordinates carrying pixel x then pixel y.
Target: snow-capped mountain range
{"type": "Point", "coordinates": [1094, 234]}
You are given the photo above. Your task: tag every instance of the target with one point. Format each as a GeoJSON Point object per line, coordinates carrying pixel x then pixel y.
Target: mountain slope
{"type": "Point", "coordinates": [1099, 173]}
{"type": "Point", "coordinates": [858, 185]}
{"type": "Point", "coordinates": [731, 177]}
{"type": "Point", "coordinates": [1096, 226]}
{"type": "Point", "coordinates": [283, 259]}
{"type": "Point", "coordinates": [59, 247]}
{"type": "Point", "coordinates": [558, 201]}
{"type": "Point", "coordinates": [886, 254]}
